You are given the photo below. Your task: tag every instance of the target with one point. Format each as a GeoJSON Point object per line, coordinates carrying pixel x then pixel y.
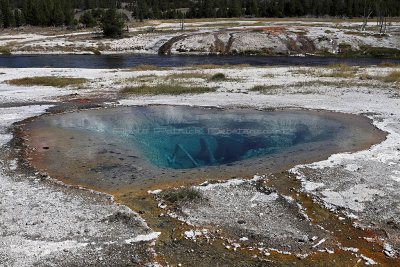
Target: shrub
{"type": "Point", "coordinates": [182, 194]}
{"type": "Point", "coordinates": [392, 77]}
{"type": "Point", "coordinates": [5, 50]}
{"type": "Point", "coordinates": [340, 71]}
{"type": "Point", "coordinates": [264, 88]}
{"type": "Point", "coordinates": [94, 51]}
{"type": "Point", "coordinates": [112, 23]}
{"type": "Point", "coordinates": [88, 20]}
{"type": "Point", "coordinates": [122, 217]}
{"type": "Point", "coordinates": [218, 77]}
{"type": "Point", "coordinates": [344, 48]}
{"type": "Point", "coordinates": [389, 65]}
{"type": "Point", "coordinates": [379, 52]}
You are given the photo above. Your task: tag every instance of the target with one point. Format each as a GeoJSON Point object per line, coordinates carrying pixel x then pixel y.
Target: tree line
{"type": "Point", "coordinates": [292, 8]}
{"type": "Point", "coordinates": [61, 12]}
{"type": "Point", "coordinates": [36, 13]}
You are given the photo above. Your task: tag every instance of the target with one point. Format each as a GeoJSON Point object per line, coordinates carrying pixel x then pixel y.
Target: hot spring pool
{"type": "Point", "coordinates": [182, 138]}
{"type": "Point", "coordinates": [144, 145]}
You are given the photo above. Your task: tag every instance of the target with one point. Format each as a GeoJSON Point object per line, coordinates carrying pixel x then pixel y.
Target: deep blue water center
{"type": "Point", "coordinates": [183, 138]}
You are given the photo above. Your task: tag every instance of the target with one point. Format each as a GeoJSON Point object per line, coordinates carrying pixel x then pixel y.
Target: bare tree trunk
{"type": "Point", "coordinates": [383, 13]}
{"type": "Point", "coordinates": [384, 29]}
{"type": "Point", "coordinates": [366, 21]}
{"type": "Point", "coordinates": [367, 13]}
{"type": "Point", "coordinates": [183, 22]}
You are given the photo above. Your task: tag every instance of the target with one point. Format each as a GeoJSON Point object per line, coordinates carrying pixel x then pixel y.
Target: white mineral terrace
{"type": "Point", "coordinates": [42, 221]}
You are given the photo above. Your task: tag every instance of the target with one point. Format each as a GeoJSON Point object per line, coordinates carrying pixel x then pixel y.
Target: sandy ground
{"type": "Point", "coordinates": [208, 37]}
{"type": "Point", "coordinates": [364, 185]}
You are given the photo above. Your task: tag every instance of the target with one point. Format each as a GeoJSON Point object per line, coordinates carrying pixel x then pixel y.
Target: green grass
{"type": "Point", "coordinates": [215, 25]}
{"type": "Point", "coordinates": [4, 50]}
{"type": "Point", "coordinates": [338, 74]}
{"type": "Point", "coordinates": [265, 88]}
{"type": "Point", "coordinates": [340, 71]}
{"type": "Point", "coordinates": [48, 81]}
{"type": "Point", "coordinates": [389, 65]}
{"type": "Point", "coordinates": [95, 51]}
{"type": "Point", "coordinates": [252, 52]}
{"type": "Point", "coordinates": [122, 217]}
{"type": "Point", "coordinates": [345, 48]}
{"type": "Point", "coordinates": [340, 67]}
{"type": "Point", "coordinates": [226, 66]}
{"type": "Point", "coordinates": [319, 83]}
{"type": "Point", "coordinates": [379, 52]}
{"type": "Point", "coordinates": [182, 194]}
{"type": "Point", "coordinates": [366, 51]}
{"type": "Point", "coordinates": [165, 89]}
{"type": "Point", "coordinates": [146, 67]}
{"type": "Point", "coordinates": [218, 77]}
{"type": "Point", "coordinates": [334, 71]}
{"type": "Point", "coordinates": [309, 72]}
{"type": "Point", "coordinates": [391, 78]}
{"type": "Point", "coordinates": [142, 78]}
{"type": "Point", "coordinates": [355, 33]}
{"type": "Point", "coordinates": [188, 75]}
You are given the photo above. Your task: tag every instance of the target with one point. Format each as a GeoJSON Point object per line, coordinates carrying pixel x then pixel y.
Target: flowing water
{"type": "Point", "coordinates": [128, 61]}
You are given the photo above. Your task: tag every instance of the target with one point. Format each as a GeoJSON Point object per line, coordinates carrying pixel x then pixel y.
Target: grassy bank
{"type": "Point", "coordinates": [365, 51]}
{"type": "Point", "coordinates": [165, 89]}
{"type": "Point", "coordinates": [48, 81]}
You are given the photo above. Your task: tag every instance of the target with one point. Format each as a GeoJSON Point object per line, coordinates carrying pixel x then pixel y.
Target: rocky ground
{"type": "Point", "coordinates": [46, 223]}
{"type": "Point", "coordinates": [248, 37]}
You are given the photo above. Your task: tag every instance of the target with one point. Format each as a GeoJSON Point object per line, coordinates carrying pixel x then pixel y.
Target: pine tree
{"type": "Point", "coordinates": [18, 18]}
{"type": "Point", "coordinates": [222, 12]}
{"type": "Point", "coordinates": [7, 15]}
{"type": "Point", "coordinates": [87, 19]}
{"type": "Point", "coordinates": [252, 8]}
{"type": "Point", "coordinates": [349, 8]}
{"type": "Point", "coordinates": [307, 6]}
{"type": "Point", "coordinates": [299, 8]}
{"type": "Point", "coordinates": [58, 14]}
{"type": "Point", "coordinates": [45, 7]}
{"type": "Point", "coordinates": [235, 10]}
{"type": "Point", "coordinates": [112, 23]}
{"type": "Point", "coordinates": [291, 10]}
{"type": "Point", "coordinates": [1, 17]}
{"type": "Point", "coordinates": [68, 14]}
{"type": "Point", "coordinates": [29, 12]}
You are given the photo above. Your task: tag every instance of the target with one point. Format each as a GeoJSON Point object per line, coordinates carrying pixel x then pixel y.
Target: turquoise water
{"type": "Point", "coordinates": [204, 143]}
{"type": "Point", "coordinates": [184, 138]}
